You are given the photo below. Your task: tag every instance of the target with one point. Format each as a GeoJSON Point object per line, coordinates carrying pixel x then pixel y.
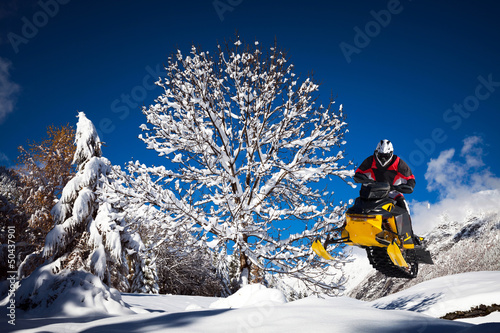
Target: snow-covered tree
{"type": "Point", "coordinates": [90, 233]}
{"type": "Point", "coordinates": [184, 263]}
{"type": "Point", "coordinates": [182, 271]}
{"type": "Point", "coordinates": [11, 215]}
{"type": "Point", "coordinates": [44, 169]}
{"type": "Point", "coordinates": [246, 143]}
{"type": "Point", "coordinates": [10, 200]}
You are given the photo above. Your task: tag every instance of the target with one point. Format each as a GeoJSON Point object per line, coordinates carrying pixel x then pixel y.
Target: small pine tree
{"type": "Point", "coordinates": [90, 233]}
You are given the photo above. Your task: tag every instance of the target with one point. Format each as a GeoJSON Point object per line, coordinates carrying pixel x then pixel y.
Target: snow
{"type": "Point", "coordinates": [166, 303]}
{"type": "Point", "coordinates": [492, 317]}
{"type": "Point", "coordinates": [98, 260]}
{"type": "Point", "coordinates": [446, 294]}
{"type": "Point", "coordinates": [256, 308]}
{"type": "Point", "coordinates": [66, 295]}
{"type": "Point", "coordinates": [251, 295]}
{"type": "Point", "coordinates": [87, 140]}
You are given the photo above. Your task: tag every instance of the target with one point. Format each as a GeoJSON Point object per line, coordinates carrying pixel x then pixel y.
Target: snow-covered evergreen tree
{"type": "Point", "coordinates": [249, 143]}
{"type": "Point", "coordinates": [90, 233]}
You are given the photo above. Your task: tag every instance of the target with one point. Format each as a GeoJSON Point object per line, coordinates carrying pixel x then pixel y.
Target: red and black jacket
{"type": "Point", "coordinates": [396, 172]}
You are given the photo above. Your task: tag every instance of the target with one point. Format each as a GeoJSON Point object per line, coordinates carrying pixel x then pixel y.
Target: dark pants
{"type": "Point", "coordinates": [404, 228]}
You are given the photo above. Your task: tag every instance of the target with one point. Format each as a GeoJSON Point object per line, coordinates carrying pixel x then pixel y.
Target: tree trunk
{"type": "Point", "coordinates": [245, 266]}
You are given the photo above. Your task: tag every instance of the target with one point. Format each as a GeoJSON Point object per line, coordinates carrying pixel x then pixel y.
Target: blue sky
{"type": "Point", "coordinates": [423, 74]}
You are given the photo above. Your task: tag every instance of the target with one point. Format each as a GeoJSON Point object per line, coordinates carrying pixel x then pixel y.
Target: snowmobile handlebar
{"type": "Point", "coordinates": [364, 179]}
{"type": "Point", "coordinates": [403, 188]}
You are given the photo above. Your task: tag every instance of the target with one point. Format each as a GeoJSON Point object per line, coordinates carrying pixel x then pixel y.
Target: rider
{"type": "Point", "coordinates": [384, 166]}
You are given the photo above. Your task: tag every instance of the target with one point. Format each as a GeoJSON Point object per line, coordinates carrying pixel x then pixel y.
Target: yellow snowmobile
{"type": "Point", "coordinates": [376, 224]}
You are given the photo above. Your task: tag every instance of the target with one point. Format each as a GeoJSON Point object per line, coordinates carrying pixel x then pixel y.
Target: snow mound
{"type": "Point", "coordinates": [250, 296]}
{"type": "Point", "coordinates": [446, 294]}
{"type": "Point", "coordinates": [67, 293]}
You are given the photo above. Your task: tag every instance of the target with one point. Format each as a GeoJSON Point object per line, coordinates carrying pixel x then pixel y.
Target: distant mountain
{"type": "Point", "coordinates": [472, 244]}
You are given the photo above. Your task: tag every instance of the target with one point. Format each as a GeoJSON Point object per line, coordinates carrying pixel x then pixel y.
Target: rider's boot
{"type": "Point", "coordinates": [405, 230]}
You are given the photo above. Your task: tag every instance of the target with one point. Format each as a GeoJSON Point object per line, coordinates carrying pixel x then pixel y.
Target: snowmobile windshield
{"type": "Point", "coordinates": [375, 190]}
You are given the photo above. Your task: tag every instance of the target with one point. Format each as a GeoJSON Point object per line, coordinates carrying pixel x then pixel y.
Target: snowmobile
{"type": "Point", "coordinates": [376, 224]}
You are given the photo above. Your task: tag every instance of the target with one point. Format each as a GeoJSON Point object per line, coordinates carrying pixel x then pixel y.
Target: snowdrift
{"type": "Point", "coordinates": [443, 295]}
{"type": "Point", "coordinates": [67, 294]}
{"type": "Point", "coordinates": [251, 295]}
{"type": "Point", "coordinates": [256, 308]}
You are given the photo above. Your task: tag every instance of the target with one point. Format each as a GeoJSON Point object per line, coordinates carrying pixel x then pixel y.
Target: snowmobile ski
{"type": "Point", "coordinates": [319, 249]}
{"type": "Point", "coordinates": [396, 256]}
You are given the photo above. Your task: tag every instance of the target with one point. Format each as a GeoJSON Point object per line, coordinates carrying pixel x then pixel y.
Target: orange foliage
{"type": "Point", "coordinates": [44, 169]}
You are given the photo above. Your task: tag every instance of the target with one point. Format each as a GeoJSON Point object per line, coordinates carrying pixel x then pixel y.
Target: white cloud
{"type": "Point", "coordinates": [466, 186]}
{"type": "Point", "coordinates": [452, 177]}
{"type": "Point", "coordinates": [8, 90]}
{"type": "Point", "coordinates": [443, 173]}
{"type": "Point", "coordinates": [460, 208]}
{"type": "Point", "coordinates": [472, 151]}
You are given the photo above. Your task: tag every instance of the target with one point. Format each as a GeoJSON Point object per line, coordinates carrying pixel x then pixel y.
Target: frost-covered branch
{"type": "Point", "coordinates": [246, 143]}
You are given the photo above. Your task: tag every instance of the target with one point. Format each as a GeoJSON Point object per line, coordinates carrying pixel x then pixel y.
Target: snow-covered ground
{"type": "Point", "coordinates": [446, 294]}
{"type": "Point", "coordinates": [259, 309]}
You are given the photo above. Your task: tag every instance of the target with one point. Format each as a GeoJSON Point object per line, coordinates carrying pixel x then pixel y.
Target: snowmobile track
{"type": "Point", "coordinates": [380, 260]}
